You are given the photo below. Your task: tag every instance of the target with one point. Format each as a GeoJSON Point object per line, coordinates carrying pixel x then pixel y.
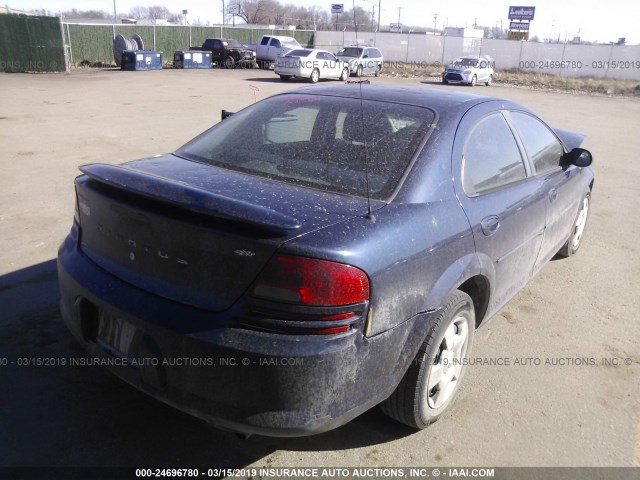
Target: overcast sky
{"type": "Point", "coordinates": [594, 21]}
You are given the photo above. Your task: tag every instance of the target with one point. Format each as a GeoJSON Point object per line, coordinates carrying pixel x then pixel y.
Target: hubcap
{"type": "Point", "coordinates": [580, 224]}
{"type": "Point", "coordinates": [447, 365]}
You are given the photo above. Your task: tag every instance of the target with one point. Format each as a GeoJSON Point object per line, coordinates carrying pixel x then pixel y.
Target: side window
{"type": "Point", "coordinates": [321, 56]}
{"type": "Point", "coordinates": [275, 43]}
{"type": "Point", "coordinates": [217, 44]}
{"type": "Point", "coordinates": [542, 146]}
{"type": "Point", "coordinates": [491, 157]}
{"type": "Point", "coordinates": [265, 41]}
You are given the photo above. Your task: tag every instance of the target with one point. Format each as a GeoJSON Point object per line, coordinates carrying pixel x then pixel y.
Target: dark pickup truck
{"type": "Point", "coordinates": [228, 53]}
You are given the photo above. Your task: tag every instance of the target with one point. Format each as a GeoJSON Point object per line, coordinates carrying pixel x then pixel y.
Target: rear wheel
{"type": "Point", "coordinates": [359, 71]}
{"type": "Point", "coordinates": [344, 75]}
{"type": "Point", "coordinates": [489, 80]}
{"type": "Point", "coordinates": [429, 386]}
{"type": "Point", "coordinates": [378, 68]}
{"type": "Point", "coordinates": [315, 76]}
{"type": "Point", "coordinates": [575, 240]}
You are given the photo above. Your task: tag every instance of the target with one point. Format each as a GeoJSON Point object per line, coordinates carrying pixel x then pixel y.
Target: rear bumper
{"type": "Point", "coordinates": [237, 379]}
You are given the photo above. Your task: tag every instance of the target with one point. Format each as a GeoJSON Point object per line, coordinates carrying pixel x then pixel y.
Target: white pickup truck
{"type": "Point", "coordinates": [269, 47]}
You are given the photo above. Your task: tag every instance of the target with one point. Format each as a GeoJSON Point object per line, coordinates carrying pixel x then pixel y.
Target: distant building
{"type": "Point", "coordinates": [15, 11]}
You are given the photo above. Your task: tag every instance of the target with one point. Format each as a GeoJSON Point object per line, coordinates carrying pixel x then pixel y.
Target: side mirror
{"type": "Point", "coordinates": [579, 157]}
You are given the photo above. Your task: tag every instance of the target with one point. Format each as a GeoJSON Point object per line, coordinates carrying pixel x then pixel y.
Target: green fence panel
{"type": "Point", "coordinates": [90, 44]}
{"type": "Point", "coordinates": [31, 44]}
{"type": "Point", "coordinates": [93, 44]}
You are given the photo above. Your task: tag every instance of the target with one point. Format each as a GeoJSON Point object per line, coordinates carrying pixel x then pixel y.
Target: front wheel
{"type": "Point", "coordinates": [474, 80]}
{"type": "Point", "coordinates": [315, 76]}
{"type": "Point", "coordinates": [577, 232]}
{"type": "Point", "coordinates": [344, 75]}
{"type": "Point", "coordinates": [229, 62]}
{"type": "Point", "coordinates": [429, 386]}
{"type": "Point", "coordinates": [489, 80]}
{"type": "Point", "coordinates": [359, 71]}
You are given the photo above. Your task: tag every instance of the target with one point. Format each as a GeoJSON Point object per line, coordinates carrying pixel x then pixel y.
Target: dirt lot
{"type": "Point", "coordinates": [517, 415]}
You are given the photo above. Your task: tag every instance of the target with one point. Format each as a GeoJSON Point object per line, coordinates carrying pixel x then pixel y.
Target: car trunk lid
{"type": "Point", "coordinates": [194, 233]}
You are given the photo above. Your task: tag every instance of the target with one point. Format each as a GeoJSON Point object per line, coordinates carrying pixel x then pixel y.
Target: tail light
{"type": "Point", "coordinates": [308, 281]}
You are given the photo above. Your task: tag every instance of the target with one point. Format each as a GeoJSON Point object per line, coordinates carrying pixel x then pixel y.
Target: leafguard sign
{"type": "Point", "coordinates": [337, 8]}
{"type": "Point", "coordinates": [521, 13]}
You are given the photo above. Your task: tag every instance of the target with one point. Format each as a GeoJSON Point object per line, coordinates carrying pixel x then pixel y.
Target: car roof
{"type": "Point", "coordinates": [438, 99]}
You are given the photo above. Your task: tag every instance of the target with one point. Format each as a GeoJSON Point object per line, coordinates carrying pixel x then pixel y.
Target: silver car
{"type": "Point", "coordinates": [362, 60]}
{"type": "Point", "coordinates": [470, 70]}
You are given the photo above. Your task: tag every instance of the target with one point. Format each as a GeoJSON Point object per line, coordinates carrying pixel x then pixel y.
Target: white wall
{"type": "Point", "coordinates": [599, 61]}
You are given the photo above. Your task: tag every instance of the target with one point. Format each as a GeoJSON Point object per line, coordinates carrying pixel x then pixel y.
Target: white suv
{"type": "Point", "coordinates": [470, 70]}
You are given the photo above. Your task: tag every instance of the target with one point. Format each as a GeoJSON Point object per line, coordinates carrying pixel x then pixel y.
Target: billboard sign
{"type": "Point", "coordinates": [521, 13]}
{"type": "Point", "coordinates": [337, 8]}
{"type": "Point", "coordinates": [519, 27]}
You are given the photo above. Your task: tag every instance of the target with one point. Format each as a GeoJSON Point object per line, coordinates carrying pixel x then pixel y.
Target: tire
{"type": "Point", "coordinates": [359, 71]}
{"type": "Point", "coordinates": [315, 76]}
{"type": "Point", "coordinates": [344, 75]}
{"type": "Point", "coordinates": [577, 231]}
{"type": "Point", "coordinates": [445, 81]}
{"type": "Point", "coordinates": [229, 62]}
{"type": "Point", "coordinates": [413, 402]}
{"type": "Point", "coordinates": [285, 78]}
{"type": "Point", "coordinates": [474, 80]}
{"type": "Point", "coordinates": [377, 74]}
{"type": "Point", "coordinates": [489, 80]}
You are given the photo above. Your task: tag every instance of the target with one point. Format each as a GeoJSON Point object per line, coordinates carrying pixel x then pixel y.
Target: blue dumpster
{"type": "Point", "coordinates": [192, 59]}
{"type": "Point", "coordinates": [141, 60]}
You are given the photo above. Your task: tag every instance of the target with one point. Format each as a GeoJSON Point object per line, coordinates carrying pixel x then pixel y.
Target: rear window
{"type": "Point", "coordinates": [298, 53]}
{"type": "Point", "coordinates": [350, 52]}
{"type": "Point", "coordinates": [318, 142]}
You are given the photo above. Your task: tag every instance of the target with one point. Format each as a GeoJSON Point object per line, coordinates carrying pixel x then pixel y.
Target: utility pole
{"type": "Point", "coordinates": [224, 12]}
{"type": "Point", "coordinates": [399, 9]}
{"type": "Point", "coordinates": [435, 21]}
{"type": "Point", "coordinates": [379, 13]}
{"type": "Point", "coordinates": [115, 15]}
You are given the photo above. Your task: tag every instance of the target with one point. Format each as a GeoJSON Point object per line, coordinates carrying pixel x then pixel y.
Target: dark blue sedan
{"type": "Point", "coordinates": [320, 252]}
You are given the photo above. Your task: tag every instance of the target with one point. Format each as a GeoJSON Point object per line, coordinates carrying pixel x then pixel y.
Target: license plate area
{"type": "Point", "coordinates": [116, 336]}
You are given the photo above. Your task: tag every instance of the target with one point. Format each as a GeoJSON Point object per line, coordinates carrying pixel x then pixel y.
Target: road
{"type": "Point", "coordinates": [570, 401]}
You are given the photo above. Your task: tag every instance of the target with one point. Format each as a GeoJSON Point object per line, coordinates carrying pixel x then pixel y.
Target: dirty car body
{"type": "Point", "coordinates": [279, 274]}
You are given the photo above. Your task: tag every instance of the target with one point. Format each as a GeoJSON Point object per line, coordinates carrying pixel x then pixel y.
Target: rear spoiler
{"type": "Point", "coordinates": [190, 198]}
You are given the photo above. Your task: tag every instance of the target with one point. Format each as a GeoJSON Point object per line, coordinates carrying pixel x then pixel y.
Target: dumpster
{"type": "Point", "coordinates": [192, 59]}
{"type": "Point", "coordinates": [141, 60]}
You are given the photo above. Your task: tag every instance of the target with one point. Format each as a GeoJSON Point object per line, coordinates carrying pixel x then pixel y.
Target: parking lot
{"type": "Point", "coordinates": [569, 394]}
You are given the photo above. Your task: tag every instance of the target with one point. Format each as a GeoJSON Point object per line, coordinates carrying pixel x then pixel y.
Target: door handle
{"type": "Point", "coordinates": [553, 194]}
{"type": "Point", "coordinates": [490, 225]}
